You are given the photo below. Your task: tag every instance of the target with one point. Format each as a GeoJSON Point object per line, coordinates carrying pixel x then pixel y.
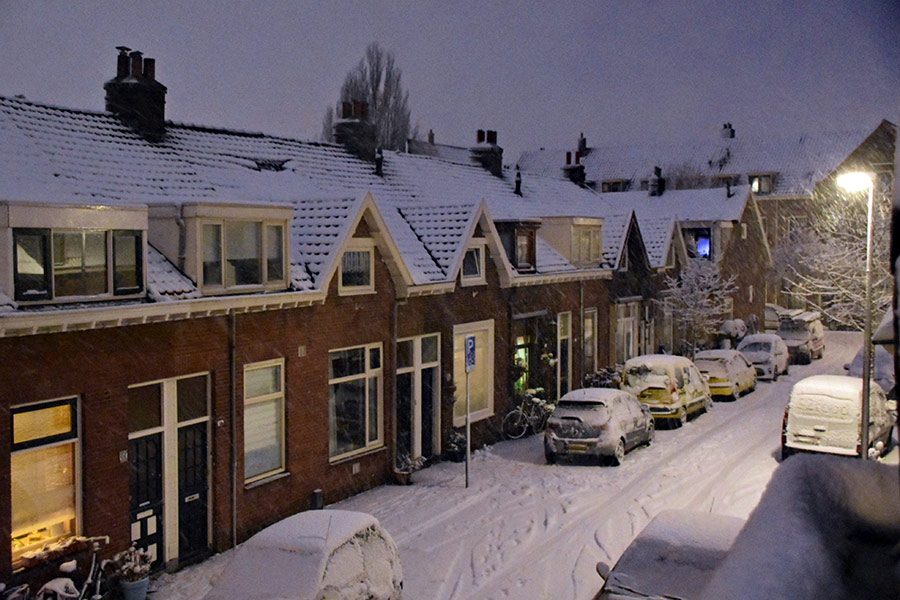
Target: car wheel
{"type": "Point", "coordinates": [785, 452]}
{"type": "Point", "coordinates": [619, 453]}
{"type": "Point", "coordinates": [651, 431]}
{"type": "Point", "coordinates": [514, 425]}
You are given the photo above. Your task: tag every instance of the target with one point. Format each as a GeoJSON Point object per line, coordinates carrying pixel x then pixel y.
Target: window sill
{"type": "Point", "coordinates": [465, 282]}
{"type": "Point", "coordinates": [344, 458]}
{"type": "Point", "coordinates": [355, 292]}
{"type": "Point", "coordinates": [269, 479]}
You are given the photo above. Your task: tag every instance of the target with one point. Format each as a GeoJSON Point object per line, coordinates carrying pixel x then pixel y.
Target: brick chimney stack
{"type": "Point", "coordinates": [487, 153]}
{"type": "Point", "coordinates": [135, 96]}
{"type": "Point", "coordinates": [354, 131]}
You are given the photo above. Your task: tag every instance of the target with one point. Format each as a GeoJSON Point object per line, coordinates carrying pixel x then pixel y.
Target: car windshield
{"type": "Point", "coordinates": [572, 405]}
{"type": "Point", "coordinates": [757, 347]}
{"type": "Point", "coordinates": [711, 364]}
{"type": "Point", "coordinates": [793, 330]}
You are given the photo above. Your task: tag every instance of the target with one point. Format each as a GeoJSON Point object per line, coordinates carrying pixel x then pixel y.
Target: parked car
{"type": "Point", "coordinates": [671, 386]}
{"type": "Point", "coordinates": [824, 413]}
{"type": "Point", "coordinates": [772, 315]}
{"type": "Point", "coordinates": [883, 364]}
{"type": "Point", "coordinates": [598, 422]}
{"type": "Point", "coordinates": [314, 555]}
{"type": "Point", "coordinates": [767, 353]}
{"type": "Point", "coordinates": [728, 372]}
{"type": "Point", "coordinates": [673, 557]}
{"type": "Point", "coordinates": [804, 335]}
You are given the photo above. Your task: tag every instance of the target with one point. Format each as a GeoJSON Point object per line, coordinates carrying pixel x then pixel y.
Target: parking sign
{"type": "Point", "coordinates": [470, 353]}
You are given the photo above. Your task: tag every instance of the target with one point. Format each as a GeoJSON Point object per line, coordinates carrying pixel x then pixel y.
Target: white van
{"type": "Point", "coordinates": [823, 415]}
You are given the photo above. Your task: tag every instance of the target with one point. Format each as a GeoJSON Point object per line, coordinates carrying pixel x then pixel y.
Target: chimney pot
{"type": "Point", "coordinates": [150, 68]}
{"type": "Point", "coordinates": [578, 158]}
{"type": "Point", "coordinates": [364, 111]}
{"type": "Point", "coordinates": [123, 63]}
{"type": "Point", "coordinates": [479, 136]}
{"type": "Point", "coordinates": [492, 137]}
{"type": "Point", "coordinates": [136, 64]}
{"type": "Point", "coordinates": [568, 158]}
{"type": "Point", "coordinates": [346, 110]}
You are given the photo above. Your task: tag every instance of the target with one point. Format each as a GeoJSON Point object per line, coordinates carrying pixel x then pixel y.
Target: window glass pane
{"type": "Point", "coordinates": [355, 268]}
{"type": "Point", "coordinates": [479, 392]}
{"type": "Point", "coordinates": [404, 354]}
{"type": "Point", "coordinates": [51, 421]}
{"type": "Point", "coordinates": [31, 278]}
{"type": "Point", "coordinates": [144, 407]}
{"type": "Point", "coordinates": [348, 416]}
{"type": "Point", "coordinates": [42, 496]}
{"type": "Point", "coordinates": [192, 397]}
{"type": "Point", "coordinates": [373, 409]}
{"type": "Point", "coordinates": [212, 254]}
{"type": "Point", "coordinates": [523, 250]}
{"type": "Point", "coordinates": [127, 259]}
{"type": "Point", "coordinates": [374, 358]}
{"type": "Point", "coordinates": [430, 349]}
{"type": "Point", "coordinates": [67, 263]}
{"type": "Point", "coordinates": [94, 262]}
{"type": "Point", "coordinates": [242, 249]}
{"type": "Point", "coordinates": [262, 381]}
{"type": "Point", "coordinates": [263, 429]}
{"type": "Point", "coordinates": [274, 253]}
{"type": "Point", "coordinates": [344, 363]}
{"type": "Point", "coordinates": [472, 263]}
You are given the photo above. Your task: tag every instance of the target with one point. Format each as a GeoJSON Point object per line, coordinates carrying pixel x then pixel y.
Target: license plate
{"type": "Point", "coordinates": [578, 447]}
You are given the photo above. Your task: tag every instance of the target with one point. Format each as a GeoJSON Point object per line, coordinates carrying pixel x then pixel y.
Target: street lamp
{"type": "Point", "coordinates": [857, 182]}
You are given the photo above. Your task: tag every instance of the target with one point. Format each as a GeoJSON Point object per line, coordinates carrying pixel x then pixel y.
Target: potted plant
{"type": "Point", "coordinates": [131, 568]}
{"type": "Point", "coordinates": [405, 466]}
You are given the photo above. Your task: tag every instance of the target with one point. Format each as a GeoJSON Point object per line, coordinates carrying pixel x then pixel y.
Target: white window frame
{"type": "Point", "coordinates": [280, 394]}
{"type": "Point", "coordinates": [563, 334]}
{"type": "Point", "coordinates": [459, 379]}
{"type": "Point", "coordinates": [368, 373]}
{"type": "Point", "coordinates": [418, 365]}
{"type": "Point", "coordinates": [357, 245]}
{"type": "Point", "coordinates": [264, 225]}
{"type": "Point", "coordinates": [76, 451]}
{"type": "Point", "coordinates": [480, 278]}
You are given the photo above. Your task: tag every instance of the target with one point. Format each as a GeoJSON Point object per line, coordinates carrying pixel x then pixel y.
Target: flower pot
{"type": "Point", "coordinates": [134, 590]}
{"type": "Point", "coordinates": [402, 477]}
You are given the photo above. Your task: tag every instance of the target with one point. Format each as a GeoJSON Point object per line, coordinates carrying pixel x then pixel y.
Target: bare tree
{"type": "Point", "coordinates": [699, 299]}
{"type": "Point", "coordinates": [377, 80]}
{"type": "Point", "coordinates": [830, 271]}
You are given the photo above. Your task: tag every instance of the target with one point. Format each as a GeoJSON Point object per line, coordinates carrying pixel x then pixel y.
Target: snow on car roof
{"type": "Point", "coordinates": [591, 395]}
{"type": "Point", "coordinates": [759, 337]}
{"type": "Point", "coordinates": [831, 385]}
{"type": "Point", "coordinates": [657, 359]}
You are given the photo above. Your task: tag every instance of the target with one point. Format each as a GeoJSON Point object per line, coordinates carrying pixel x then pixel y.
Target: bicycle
{"type": "Point", "coordinates": [533, 412]}
{"type": "Point", "coordinates": [64, 588]}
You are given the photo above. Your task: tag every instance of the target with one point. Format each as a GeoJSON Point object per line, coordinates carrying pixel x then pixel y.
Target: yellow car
{"type": "Point", "coordinates": [670, 386]}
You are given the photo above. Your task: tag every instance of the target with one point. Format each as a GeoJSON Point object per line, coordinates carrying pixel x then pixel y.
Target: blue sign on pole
{"type": "Point", "coordinates": [470, 353]}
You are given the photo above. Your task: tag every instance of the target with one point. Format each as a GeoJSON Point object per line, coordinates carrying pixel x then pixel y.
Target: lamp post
{"type": "Point", "coordinates": [857, 182]}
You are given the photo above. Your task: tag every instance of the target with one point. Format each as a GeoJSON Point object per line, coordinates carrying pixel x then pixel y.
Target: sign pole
{"type": "Point", "coordinates": [470, 366]}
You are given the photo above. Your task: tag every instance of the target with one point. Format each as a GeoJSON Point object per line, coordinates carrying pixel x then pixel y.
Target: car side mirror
{"type": "Point", "coordinates": [603, 570]}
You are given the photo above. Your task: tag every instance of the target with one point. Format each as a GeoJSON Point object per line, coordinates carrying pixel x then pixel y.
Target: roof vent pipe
{"type": "Point", "coordinates": [656, 185]}
{"type": "Point", "coordinates": [582, 145]}
{"type": "Point", "coordinates": [518, 181]}
{"type": "Point", "coordinates": [379, 162]}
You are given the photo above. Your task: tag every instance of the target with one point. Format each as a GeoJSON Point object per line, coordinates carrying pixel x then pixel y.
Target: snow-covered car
{"type": "Point", "coordinates": [673, 557]}
{"type": "Point", "coordinates": [803, 334]}
{"type": "Point", "coordinates": [772, 315]}
{"type": "Point", "coordinates": [767, 353]}
{"type": "Point", "coordinates": [728, 372]}
{"type": "Point", "coordinates": [671, 386]}
{"type": "Point", "coordinates": [314, 555]}
{"type": "Point", "coordinates": [883, 364]}
{"type": "Point", "coordinates": [824, 414]}
{"type": "Point", "coordinates": [597, 422]}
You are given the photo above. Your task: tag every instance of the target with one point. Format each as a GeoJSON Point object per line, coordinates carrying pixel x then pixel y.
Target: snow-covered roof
{"type": "Point", "coordinates": [799, 161]}
{"type": "Point", "coordinates": [836, 386]}
{"type": "Point", "coordinates": [708, 204]}
{"type": "Point", "coordinates": [164, 281]}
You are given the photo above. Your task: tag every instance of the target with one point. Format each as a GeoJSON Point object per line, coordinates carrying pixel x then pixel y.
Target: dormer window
{"type": "Point", "coordinates": [472, 272]}
{"type": "Point", "coordinates": [237, 253]}
{"type": "Point", "coordinates": [615, 185]}
{"type": "Point", "coordinates": [587, 245]}
{"type": "Point", "coordinates": [356, 274]}
{"type": "Point", "coordinates": [51, 264]}
{"type": "Point", "coordinates": [761, 184]}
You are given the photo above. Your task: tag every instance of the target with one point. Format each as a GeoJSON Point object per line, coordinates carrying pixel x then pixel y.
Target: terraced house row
{"type": "Point", "coordinates": [203, 331]}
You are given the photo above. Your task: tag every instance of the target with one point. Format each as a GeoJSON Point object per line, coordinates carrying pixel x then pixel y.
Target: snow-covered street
{"type": "Point", "coordinates": [527, 530]}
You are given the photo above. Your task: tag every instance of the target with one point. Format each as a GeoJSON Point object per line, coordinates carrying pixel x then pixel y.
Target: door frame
{"type": "Point", "coordinates": [416, 369]}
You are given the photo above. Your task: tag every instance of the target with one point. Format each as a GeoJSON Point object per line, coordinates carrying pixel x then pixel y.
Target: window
{"type": "Point", "coordinates": [44, 465]}
{"type": "Point", "coordinates": [743, 231]}
{"type": "Point", "coordinates": [627, 323]}
{"type": "Point", "coordinates": [587, 245]}
{"type": "Point", "coordinates": [761, 184]}
{"type": "Point", "coordinates": [242, 253]}
{"type": "Point", "coordinates": [614, 185]}
{"type": "Point", "coordinates": [698, 242]}
{"type": "Point", "coordinates": [481, 379]}
{"type": "Point", "coordinates": [564, 353]}
{"type": "Point", "coordinates": [525, 252]}
{"type": "Point", "coordinates": [473, 265]}
{"type": "Point", "coordinates": [263, 419]}
{"type": "Point", "coordinates": [354, 384]}
{"type": "Point", "coordinates": [64, 263]}
{"type": "Point", "coordinates": [589, 335]}
{"type": "Point", "coordinates": [357, 269]}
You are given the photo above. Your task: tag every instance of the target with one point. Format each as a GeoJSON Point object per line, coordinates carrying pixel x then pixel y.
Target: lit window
{"type": "Point", "coordinates": [473, 266]}
{"type": "Point", "coordinates": [587, 242]}
{"type": "Point", "coordinates": [761, 184]}
{"type": "Point", "coordinates": [563, 353]}
{"type": "Point", "coordinates": [44, 474]}
{"type": "Point", "coordinates": [263, 419]}
{"type": "Point", "coordinates": [75, 263]}
{"type": "Point", "coordinates": [481, 379]}
{"type": "Point", "coordinates": [242, 253]}
{"type": "Point", "coordinates": [355, 403]}
{"type": "Point", "coordinates": [357, 269]}
{"type": "Point", "coordinates": [589, 336]}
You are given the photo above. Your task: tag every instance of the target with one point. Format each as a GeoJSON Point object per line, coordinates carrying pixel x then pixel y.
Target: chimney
{"type": "Point", "coordinates": [379, 162]}
{"type": "Point", "coordinates": [487, 153]}
{"type": "Point", "coordinates": [582, 145]}
{"type": "Point", "coordinates": [574, 172]}
{"type": "Point", "coordinates": [135, 96]}
{"type": "Point", "coordinates": [354, 131]}
{"type": "Point", "coordinates": [518, 182]}
{"type": "Point", "coordinates": [727, 131]}
{"type": "Point", "coordinates": [431, 137]}
{"type": "Point", "coordinates": [657, 183]}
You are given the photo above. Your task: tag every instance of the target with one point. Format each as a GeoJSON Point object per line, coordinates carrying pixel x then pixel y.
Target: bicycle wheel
{"type": "Point", "coordinates": [515, 424]}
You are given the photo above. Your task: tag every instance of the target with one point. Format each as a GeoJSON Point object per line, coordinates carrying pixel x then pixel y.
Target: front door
{"type": "Point", "coordinates": [147, 494]}
{"type": "Point", "coordinates": [418, 389]}
{"type": "Point", "coordinates": [192, 491]}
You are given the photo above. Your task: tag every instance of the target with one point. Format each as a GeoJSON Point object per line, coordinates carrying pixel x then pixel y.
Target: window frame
{"type": "Point", "coordinates": [357, 245]}
{"type": "Point", "coordinates": [756, 180]}
{"type": "Point", "coordinates": [528, 234]}
{"type": "Point", "coordinates": [263, 249]}
{"type": "Point", "coordinates": [595, 244]}
{"type": "Point", "coordinates": [281, 393]}
{"type": "Point", "coordinates": [367, 373]}
{"type": "Point", "coordinates": [480, 278]}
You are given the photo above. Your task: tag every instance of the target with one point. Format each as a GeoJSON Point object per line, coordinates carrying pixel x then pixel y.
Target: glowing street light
{"type": "Point", "coordinates": [857, 182]}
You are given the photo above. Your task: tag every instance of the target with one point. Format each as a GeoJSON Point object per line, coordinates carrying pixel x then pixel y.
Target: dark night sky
{"type": "Point", "coordinates": [538, 72]}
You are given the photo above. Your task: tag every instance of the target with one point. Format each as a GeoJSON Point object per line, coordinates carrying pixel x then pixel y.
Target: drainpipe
{"type": "Point", "coordinates": [398, 302]}
{"type": "Point", "coordinates": [572, 351]}
{"type": "Point", "coordinates": [232, 327]}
